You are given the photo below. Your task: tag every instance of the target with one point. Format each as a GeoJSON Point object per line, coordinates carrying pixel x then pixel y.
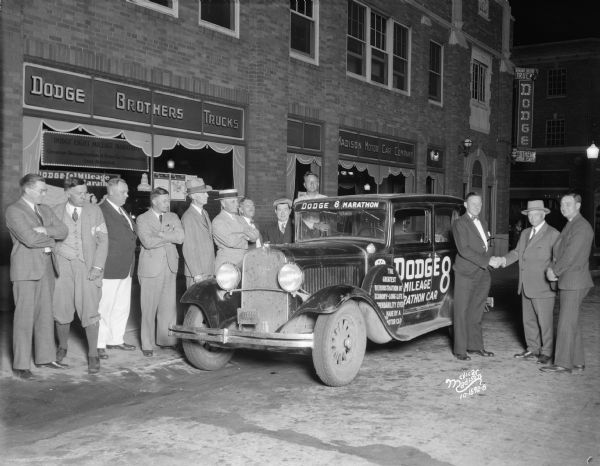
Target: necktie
{"type": "Point", "coordinates": [532, 234]}
{"type": "Point", "coordinates": [75, 215]}
{"type": "Point", "coordinates": [38, 215]}
{"type": "Point", "coordinates": [474, 217]}
{"type": "Point", "coordinates": [125, 215]}
{"type": "Point", "coordinates": [160, 218]}
{"type": "Point", "coordinates": [282, 227]}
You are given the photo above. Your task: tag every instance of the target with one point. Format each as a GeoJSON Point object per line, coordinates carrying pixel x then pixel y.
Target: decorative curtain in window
{"type": "Point", "coordinates": [32, 144]}
{"type": "Point", "coordinates": [379, 172]}
{"type": "Point", "coordinates": [290, 172]}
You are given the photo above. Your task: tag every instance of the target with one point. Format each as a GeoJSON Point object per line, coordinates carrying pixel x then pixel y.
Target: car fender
{"type": "Point", "coordinates": [219, 307]}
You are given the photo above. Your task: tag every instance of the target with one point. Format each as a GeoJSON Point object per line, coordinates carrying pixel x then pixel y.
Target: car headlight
{"type": "Point", "coordinates": [290, 278]}
{"type": "Point", "coordinates": [228, 276]}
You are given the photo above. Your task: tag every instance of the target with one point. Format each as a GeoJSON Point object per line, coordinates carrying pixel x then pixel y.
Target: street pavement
{"type": "Point", "coordinates": [412, 403]}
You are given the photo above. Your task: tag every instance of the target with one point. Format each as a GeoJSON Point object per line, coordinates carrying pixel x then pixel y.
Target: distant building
{"type": "Point", "coordinates": [373, 97]}
{"type": "Point", "coordinates": [565, 122]}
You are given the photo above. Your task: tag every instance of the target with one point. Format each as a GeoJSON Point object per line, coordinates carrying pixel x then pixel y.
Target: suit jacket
{"type": "Point", "coordinates": [272, 233]}
{"type": "Point", "coordinates": [472, 256]}
{"type": "Point", "coordinates": [27, 258]}
{"type": "Point", "coordinates": [121, 243]}
{"type": "Point", "coordinates": [572, 253]}
{"type": "Point", "coordinates": [158, 251]}
{"type": "Point", "coordinates": [94, 237]}
{"type": "Point", "coordinates": [534, 258]}
{"type": "Point", "coordinates": [230, 233]}
{"type": "Point", "coordinates": [198, 247]}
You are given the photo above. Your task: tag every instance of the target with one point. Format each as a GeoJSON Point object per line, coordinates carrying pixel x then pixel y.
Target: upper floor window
{"type": "Point", "coordinates": [221, 15]}
{"type": "Point", "coordinates": [555, 132]}
{"type": "Point", "coordinates": [169, 7]}
{"type": "Point", "coordinates": [304, 27]}
{"type": "Point", "coordinates": [377, 47]}
{"type": "Point", "coordinates": [478, 81]}
{"type": "Point", "coordinates": [557, 82]}
{"type": "Point", "coordinates": [435, 71]}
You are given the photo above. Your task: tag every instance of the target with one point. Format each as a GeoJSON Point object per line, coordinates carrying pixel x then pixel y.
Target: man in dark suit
{"type": "Point", "coordinates": [33, 228]}
{"type": "Point", "coordinates": [159, 231]}
{"type": "Point", "coordinates": [571, 269]}
{"type": "Point", "coordinates": [198, 247]}
{"type": "Point", "coordinates": [81, 258]}
{"type": "Point", "coordinates": [534, 253]}
{"type": "Point", "coordinates": [280, 231]}
{"type": "Point", "coordinates": [115, 303]}
{"type": "Point", "coordinates": [471, 279]}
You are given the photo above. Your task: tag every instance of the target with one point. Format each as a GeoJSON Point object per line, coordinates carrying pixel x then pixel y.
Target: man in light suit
{"type": "Point", "coordinates": [534, 253]}
{"type": "Point", "coordinates": [471, 279]}
{"type": "Point", "coordinates": [281, 230]}
{"type": "Point", "coordinates": [81, 257]}
{"type": "Point", "coordinates": [571, 269]}
{"type": "Point", "coordinates": [159, 231]}
{"type": "Point", "coordinates": [198, 247]}
{"type": "Point", "coordinates": [34, 229]}
{"type": "Point", "coordinates": [230, 232]}
{"type": "Point", "coordinates": [115, 303]}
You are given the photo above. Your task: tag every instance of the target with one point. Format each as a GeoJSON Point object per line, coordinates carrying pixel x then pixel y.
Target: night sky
{"type": "Point", "coordinates": [539, 21]}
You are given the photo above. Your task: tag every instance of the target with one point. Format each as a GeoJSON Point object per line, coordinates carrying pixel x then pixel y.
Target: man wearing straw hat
{"type": "Point", "coordinates": [534, 253]}
{"type": "Point", "coordinates": [280, 230]}
{"type": "Point", "coordinates": [198, 247]}
{"type": "Point", "coordinates": [230, 232]}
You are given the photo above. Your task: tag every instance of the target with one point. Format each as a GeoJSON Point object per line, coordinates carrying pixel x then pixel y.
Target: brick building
{"type": "Point", "coordinates": [374, 96]}
{"type": "Point", "coordinates": [565, 121]}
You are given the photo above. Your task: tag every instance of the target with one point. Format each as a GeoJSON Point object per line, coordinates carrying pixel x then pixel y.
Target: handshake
{"type": "Point", "coordinates": [496, 261]}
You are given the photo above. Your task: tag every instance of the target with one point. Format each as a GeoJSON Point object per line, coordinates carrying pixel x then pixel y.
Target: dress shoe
{"type": "Point", "coordinates": [554, 369]}
{"type": "Point", "coordinates": [463, 357]}
{"type": "Point", "coordinates": [148, 353]}
{"type": "Point", "coordinates": [543, 359]}
{"type": "Point", "coordinates": [53, 365]}
{"type": "Point", "coordinates": [525, 355]}
{"type": "Point", "coordinates": [578, 367]}
{"type": "Point", "coordinates": [23, 374]}
{"type": "Point", "coordinates": [481, 352]}
{"type": "Point", "coordinates": [102, 353]}
{"type": "Point", "coordinates": [93, 364]}
{"type": "Point", "coordinates": [61, 353]}
{"type": "Point", "coordinates": [122, 346]}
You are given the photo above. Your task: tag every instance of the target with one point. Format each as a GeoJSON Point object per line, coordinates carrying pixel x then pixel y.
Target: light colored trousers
{"type": "Point", "coordinates": [159, 309]}
{"type": "Point", "coordinates": [115, 305]}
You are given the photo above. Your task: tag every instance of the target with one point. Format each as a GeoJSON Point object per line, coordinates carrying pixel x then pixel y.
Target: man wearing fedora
{"type": "Point", "coordinates": [230, 232]}
{"type": "Point", "coordinates": [281, 230]}
{"type": "Point", "coordinates": [571, 269]}
{"type": "Point", "coordinates": [534, 254]}
{"type": "Point", "coordinates": [198, 247]}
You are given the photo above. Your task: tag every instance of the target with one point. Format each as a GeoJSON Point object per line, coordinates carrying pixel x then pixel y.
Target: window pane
{"type": "Point", "coordinates": [557, 82]}
{"type": "Point", "coordinates": [400, 60]}
{"type": "Point", "coordinates": [312, 136]}
{"type": "Point", "coordinates": [356, 20]}
{"type": "Point", "coordinates": [355, 56]}
{"type": "Point", "coordinates": [294, 133]}
{"type": "Point", "coordinates": [443, 224]}
{"type": "Point", "coordinates": [219, 12]}
{"type": "Point", "coordinates": [301, 34]}
{"type": "Point", "coordinates": [409, 226]}
{"type": "Point", "coordinates": [435, 71]}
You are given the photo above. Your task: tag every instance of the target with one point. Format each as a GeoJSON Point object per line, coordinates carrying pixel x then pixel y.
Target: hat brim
{"type": "Point", "coordinates": [205, 189]}
{"type": "Point", "coordinates": [545, 210]}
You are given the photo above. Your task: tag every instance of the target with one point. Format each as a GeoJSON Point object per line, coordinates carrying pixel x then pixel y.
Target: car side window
{"type": "Point", "coordinates": [410, 226]}
{"type": "Point", "coordinates": [444, 216]}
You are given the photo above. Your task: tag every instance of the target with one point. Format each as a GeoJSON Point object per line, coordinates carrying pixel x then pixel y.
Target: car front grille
{"type": "Point", "coordinates": [317, 277]}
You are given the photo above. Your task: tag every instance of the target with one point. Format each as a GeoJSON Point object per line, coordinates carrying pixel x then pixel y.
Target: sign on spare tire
{"type": "Point", "coordinates": [385, 287]}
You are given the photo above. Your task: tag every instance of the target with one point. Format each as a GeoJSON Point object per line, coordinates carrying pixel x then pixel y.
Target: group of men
{"type": "Point", "coordinates": [78, 257]}
{"type": "Point", "coordinates": [548, 261]}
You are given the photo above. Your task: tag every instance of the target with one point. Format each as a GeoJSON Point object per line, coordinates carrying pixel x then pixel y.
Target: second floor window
{"type": "Point", "coordinates": [303, 27]}
{"type": "Point", "coordinates": [478, 80]}
{"type": "Point", "coordinates": [435, 71]}
{"type": "Point", "coordinates": [377, 47]}
{"type": "Point", "coordinates": [555, 132]}
{"type": "Point", "coordinates": [557, 82]}
{"type": "Point", "coordinates": [169, 7]}
{"type": "Point", "coordinates": [222, 15]}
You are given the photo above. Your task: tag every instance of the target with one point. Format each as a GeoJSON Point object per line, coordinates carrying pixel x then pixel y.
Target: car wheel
{"type": "Point", "coordinates": [340, 340]}
{"type": "Point", "coordinates": [200, 354]}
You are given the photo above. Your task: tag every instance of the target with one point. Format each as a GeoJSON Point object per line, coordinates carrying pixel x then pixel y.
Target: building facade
{"type": "Point", "coordinates": [565, 121]}
{"type": "Point", "coordinates": [374, 96]}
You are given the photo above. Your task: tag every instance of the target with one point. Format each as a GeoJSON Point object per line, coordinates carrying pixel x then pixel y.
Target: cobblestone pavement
{"type": "Point", "coordinates": [405, 407]}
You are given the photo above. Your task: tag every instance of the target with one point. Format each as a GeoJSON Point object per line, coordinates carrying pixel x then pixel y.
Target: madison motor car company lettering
{"type": "Point", "coordinates": [60, 91]}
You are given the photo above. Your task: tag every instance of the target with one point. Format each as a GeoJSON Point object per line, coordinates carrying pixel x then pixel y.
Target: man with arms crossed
{"type": "Point", "coordinates": [118, 271]}
{"type": "Point", "coordinates": [33, 228]}
{"type": "Point", "coordinates": [534, 253]}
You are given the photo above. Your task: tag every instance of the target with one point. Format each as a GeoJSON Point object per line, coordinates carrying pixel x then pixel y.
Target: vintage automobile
{"type": "Point", "coordinates": [368, 266]}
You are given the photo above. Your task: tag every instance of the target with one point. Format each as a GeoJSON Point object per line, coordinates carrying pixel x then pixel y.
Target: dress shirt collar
{"type": "Point", "coordinates": [199, 209]}
{"type": "Point", "coordinates": [114, 206]}
{"type": "Point", "coordinates": [30, 204]}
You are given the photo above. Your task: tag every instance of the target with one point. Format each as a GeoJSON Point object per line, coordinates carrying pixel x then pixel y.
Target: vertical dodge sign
{"type": "Point", "coordinates": [524, 107]}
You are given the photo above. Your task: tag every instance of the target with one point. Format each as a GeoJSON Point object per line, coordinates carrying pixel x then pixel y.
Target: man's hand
{"type": "Point", "coordinates": [95, 273]}
{"type": "Point", "coordinates": [41, 230]}
{"type": "Point", "coordinates": [550, 275]}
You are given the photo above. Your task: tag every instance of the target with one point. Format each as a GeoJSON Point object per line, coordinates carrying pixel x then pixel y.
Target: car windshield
{"type": "Point", "coordinates": [340, 219]}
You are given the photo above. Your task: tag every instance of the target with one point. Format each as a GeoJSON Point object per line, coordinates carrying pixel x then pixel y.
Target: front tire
{"type": "Point", "coordinates": [340, 340]}
{"type": "Point", "coordinates": [200, 354]}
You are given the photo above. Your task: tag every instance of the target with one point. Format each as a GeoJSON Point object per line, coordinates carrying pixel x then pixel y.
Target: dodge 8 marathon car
{"type": "Point", "coordinates": [369, 266]}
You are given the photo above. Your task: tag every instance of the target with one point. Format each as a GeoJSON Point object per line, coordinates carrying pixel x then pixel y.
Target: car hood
{"type": "Point", "coordinates": [325, 252]}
